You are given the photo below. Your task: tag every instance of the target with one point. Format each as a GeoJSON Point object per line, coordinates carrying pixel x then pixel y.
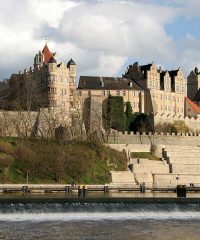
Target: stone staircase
{"type": "Point", "coordinates": [143, 169]}
{"type": "Point", "coordinates": [184, 166]}
{"type": "Point", "coordinates": [179, 165]}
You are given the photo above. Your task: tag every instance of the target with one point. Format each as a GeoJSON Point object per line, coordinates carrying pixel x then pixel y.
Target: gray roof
{"type": "Point", "coordinates": [71, 62]}
{"type": "Point", "coordinates": [52, 60]}
{"type": "Point", "coordinates": [108, 83]}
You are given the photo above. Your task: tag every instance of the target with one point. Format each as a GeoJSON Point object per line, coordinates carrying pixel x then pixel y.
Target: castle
{"type": "Point", "coordinates": [47, 84]}
{"type": "Point", "coordinates": [165, 95]}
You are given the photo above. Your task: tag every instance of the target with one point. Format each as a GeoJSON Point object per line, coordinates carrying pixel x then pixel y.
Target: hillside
{"type": "Point", "coordinates": [53, 162]}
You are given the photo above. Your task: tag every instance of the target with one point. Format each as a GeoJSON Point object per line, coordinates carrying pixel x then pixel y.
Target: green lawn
{"type": "Point", "coordinates": [146, 155]}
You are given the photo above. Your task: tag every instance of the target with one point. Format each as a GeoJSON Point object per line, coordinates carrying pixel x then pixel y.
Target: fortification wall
{"type": "Point", "coordinates": [30, 123]}
{"type": "Point", "coordinates": [187, 139]}
{"type": "Point", "coordinates": [192, 123]}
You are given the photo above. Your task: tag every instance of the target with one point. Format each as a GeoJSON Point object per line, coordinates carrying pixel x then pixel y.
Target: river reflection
{"type": "Point", "coordinates": [98, 195]}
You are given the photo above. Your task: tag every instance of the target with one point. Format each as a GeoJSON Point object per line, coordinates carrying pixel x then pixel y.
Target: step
{"type": "Point", "coordinates": [147, 162]}
{"type": "Point", "coordinates": [141, 168]}
{"type": "Point", "coordinates": [181, 154]}
{"type": "Point", "coordinates": [182, 160]}
{"type": "Point", "coordinates": [122, 177]}
{"type": "Point", "coordinates": [167, 180]}
{"type": "Point", "coordinates": [185, 168]}
{"type": "Point", "coordinates": [144, 178]}
{"type": "Point", "coordinates": [182, 147]}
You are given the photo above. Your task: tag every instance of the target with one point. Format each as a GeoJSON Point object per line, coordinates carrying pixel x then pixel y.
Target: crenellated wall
{"type": "Point", "coordinates": [190, 139]}
{"type": "Point", "coordinates": [192, 123]}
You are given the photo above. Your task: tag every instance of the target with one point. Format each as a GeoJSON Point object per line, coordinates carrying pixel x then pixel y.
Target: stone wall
{"type": "Point", "coordinates": [191, 122]}
{"type": "Point", "coordinates": [190, 139]}
{"type": "Point", "coordinates": [28, 123]}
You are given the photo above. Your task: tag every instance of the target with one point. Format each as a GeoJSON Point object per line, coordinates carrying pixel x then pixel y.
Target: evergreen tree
{"type": "Point", "coordinates": [129, 116]}
{"type": "Point", "coordinates": [115, 112]}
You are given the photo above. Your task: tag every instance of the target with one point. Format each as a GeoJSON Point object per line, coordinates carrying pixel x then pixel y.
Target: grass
{"type": "Point", "coordinates": [146, 155]}
{"type": "Point", "coordinates": [54, 162]}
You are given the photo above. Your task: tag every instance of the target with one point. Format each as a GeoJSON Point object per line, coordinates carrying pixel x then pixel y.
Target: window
{"type": "Point", "coordinates": [71, 92]}
{"type": "Point", "coordinates": [124, 93]}
{"type": "Point", "coordinates": [80, 93]}
{"type": "Point", "coordinates": [108, 93]}
{"type": "Point", "coordinates": [89, 93]}
{"type": "Point", "coordinates": [65, 91]}
{"type": "Point", "coordinates": [103, 93]}
{"type": "Point", "coordinates": [52, 78]}
{"type": "Point", "coordinates": [71, 105]}
{"type": "Point", "coordinates": [118, 93]}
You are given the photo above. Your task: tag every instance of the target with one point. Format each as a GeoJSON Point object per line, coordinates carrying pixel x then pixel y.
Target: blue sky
{"type": "Point", "coordinates": [103, 36]}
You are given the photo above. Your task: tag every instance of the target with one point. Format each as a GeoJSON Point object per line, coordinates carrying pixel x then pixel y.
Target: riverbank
{"type": "Point", "coordinates": [41, 161]}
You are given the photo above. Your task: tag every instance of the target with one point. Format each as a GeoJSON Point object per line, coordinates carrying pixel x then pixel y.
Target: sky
{"type": "Point", "coordinates": [102, 36]}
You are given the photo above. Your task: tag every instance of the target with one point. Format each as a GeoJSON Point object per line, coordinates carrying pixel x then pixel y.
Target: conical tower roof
{"type": "Point", "coordinates": [47, 54]}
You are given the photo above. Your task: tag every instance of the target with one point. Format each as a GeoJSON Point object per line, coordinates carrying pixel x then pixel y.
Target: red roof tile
{"type": "Point", "coordinates": [193, 105]}
{"type": "Point", "coordinates": [47, 54]}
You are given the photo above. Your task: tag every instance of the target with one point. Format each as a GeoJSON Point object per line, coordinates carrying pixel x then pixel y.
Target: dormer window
{"type": "Point", "coordinates": [131, 84]}
{"type": "Point", "coordinates": [102, 84]}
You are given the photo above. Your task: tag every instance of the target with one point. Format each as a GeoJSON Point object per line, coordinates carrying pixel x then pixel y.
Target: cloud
{"type": "Point", "coordinates": [114, 30]}
{"type": "Point", "coordinates": [101, 35]}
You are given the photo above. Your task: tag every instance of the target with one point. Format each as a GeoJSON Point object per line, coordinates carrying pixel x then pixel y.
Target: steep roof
{"type": "Point", "coordinates": [52, 60]}
{"type": "Point", "coordinates": [197, 96]}
{"type": "Point", "coordinates": [193, 105]}
{"type": "Point", "coordinates": [47, 54]}
{"type": "Point", "coordinates": [146, 67]}
{"type": "Point", "coordinates": [71, 62]}
{"type": "Point", "coordinates": [108, 83]}
{"type": "Point", "coordinates": [173, 73]}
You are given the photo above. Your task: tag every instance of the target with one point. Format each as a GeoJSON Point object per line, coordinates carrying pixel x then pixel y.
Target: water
{"type": "Point", "coordinates": [99, 221]}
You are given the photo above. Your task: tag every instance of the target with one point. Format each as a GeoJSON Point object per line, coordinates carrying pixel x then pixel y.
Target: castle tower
{"type": "Point", "coordinates": [38, 60]}
{"type": "Point", "coordinates": [193, 83]}
{"type": "Point", "coordinates": [71, 66]}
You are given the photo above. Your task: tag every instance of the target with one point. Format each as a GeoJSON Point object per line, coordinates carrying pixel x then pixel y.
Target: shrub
{"type": "Point", "coordinates": [6, 147]}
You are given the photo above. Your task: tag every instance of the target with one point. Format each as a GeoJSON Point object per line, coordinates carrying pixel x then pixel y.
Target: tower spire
{"type": "Point", "coordinates": [46, 40]}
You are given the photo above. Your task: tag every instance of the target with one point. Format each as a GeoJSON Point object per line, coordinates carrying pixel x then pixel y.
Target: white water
{"type": "Point", "coordinates": [98, 216]}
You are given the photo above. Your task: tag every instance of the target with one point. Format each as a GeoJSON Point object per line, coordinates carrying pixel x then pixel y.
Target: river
{"type": "Point", "coordinates": [117, 221]}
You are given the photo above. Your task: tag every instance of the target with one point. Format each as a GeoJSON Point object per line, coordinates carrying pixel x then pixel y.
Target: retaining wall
{"type": "Point", "coordinates": [188, 139]}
